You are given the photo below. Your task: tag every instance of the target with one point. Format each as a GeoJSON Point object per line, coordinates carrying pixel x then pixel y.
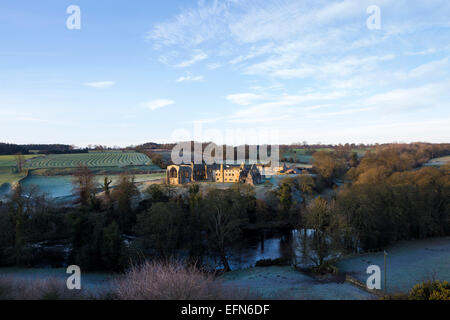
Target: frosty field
{"type": "Point", "coordinates": [286, 283]}
{"type": "Point", "coordinates": [62, 186]}
{"type": "Point", "coordinates": [92, 281]}
{"type": "Point", "coordinates": [408, 263]}
{"type": "Point", "coordinates": [438, 161]}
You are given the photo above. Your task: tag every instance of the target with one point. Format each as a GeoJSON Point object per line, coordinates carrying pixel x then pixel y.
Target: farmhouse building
{"type": "Point", "coordinates": [268, 170]}
{"type": "Point", "coordinates": [182, 174]}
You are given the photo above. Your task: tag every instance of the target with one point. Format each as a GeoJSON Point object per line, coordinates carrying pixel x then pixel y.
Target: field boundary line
{"type": "Point", "coordinates": [355, 282]}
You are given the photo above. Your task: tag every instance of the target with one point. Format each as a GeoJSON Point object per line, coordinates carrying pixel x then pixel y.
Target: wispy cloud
{"type": "Point", "coordinates": [340, 113]}
{"type": "Point", "coordinates": [254, 52]}
{"type": "Point", "coordinates": [190, 78]}
{"type": "Point", "coordinates": [157, 104]}
{"type": "Point", "coordinates": [432, 68]}
{"type": "Point", "coordinates": [244, 99]}
{"type": "Point", "coordinates": [273, 108]}
{"type": "Point", "coordinates": [288, 30]}
{"type": "Point", "coordinates": [213, 66]}
{"type": "Point", "coordinates": [192, 26]}
{"type": "Point", "coordinates": [428, 96]}
{"type": "Point", "coordinates": [196, 58]}
{"type": "Point", "coordinates": [318, 58]}
{"type": "Point", "coordinates": [100, 84]}
{"type": "Point", "coordinates": [31, 119]}
{"type": "Point", "coordinates": [282, 66]}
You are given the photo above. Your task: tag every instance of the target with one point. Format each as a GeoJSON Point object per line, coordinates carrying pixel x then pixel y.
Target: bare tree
{"type": "Point", "coordinates": [106, 186]}
{"type": "Point", "coordinates": [222, 222]}
{"type": "Point", "coordinates": [20, 161]}
{"type": "Point", "coordinates": [84, 184]}
{"type": "Point", "coordinates": [320, 218]}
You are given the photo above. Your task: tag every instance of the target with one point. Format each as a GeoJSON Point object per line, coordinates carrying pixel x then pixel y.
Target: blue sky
{"type": "Point", "coordinates": [141, 71]}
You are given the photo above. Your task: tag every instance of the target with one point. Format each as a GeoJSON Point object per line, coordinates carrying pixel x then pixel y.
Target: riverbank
{"type": "Point", "coordinates": [409, 263]}
{"type": "Point", "coordinates": [284, 282]}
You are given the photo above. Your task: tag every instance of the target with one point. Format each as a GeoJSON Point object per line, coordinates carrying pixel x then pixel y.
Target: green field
{"type": "Point", "coordinates": [96, 159]}
{"type": "Point", "coordinates": [6, 176]}
{"type": "Point", "coordinates": [299, 155]}
{"type": "Point", "coordinates": [65, 164]}
{"type": "Point", "coordinates": [10, 160]}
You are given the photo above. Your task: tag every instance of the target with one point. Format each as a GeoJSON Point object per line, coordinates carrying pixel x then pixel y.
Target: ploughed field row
{"type": "Point", "coordinates": [104, 159]}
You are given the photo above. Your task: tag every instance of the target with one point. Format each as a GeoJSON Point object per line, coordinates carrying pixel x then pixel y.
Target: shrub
{"type": "Point", "coordinates": [272, 262]}
{"type": "Point", "coordinates": [326, 268]}
{"type": "Point", "coordinates": [45, 289]}
{"type": "Point", "coordinates": [430, 290]}
{"type": "Point", "coordinates": [171, 281]}
{"type": "Point", "coordinates": [427, 290]}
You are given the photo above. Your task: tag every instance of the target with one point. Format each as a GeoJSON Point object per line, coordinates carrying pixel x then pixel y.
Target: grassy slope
{"type": "Point", "coordinates": [8, 177]}
{"type": "Point", "coordinates": [7, 163]}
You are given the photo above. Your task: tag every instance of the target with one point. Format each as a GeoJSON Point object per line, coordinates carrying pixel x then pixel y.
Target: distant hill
{"type": "Point", "coordinates": [155, 146]}
{"type": "Point", "coordinates": [10, 148]}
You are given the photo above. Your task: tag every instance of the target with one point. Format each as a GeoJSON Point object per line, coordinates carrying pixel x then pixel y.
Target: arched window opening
{"type": "Point", "coordinates": [173, 173]}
